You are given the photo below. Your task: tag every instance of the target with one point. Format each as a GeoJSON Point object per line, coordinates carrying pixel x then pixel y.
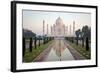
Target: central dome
{"type": "Point", "coordinates": [59, 21]}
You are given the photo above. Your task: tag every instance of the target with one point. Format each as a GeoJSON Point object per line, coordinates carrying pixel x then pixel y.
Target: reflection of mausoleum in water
{"type": "Point", "coordinates": [59, 47]}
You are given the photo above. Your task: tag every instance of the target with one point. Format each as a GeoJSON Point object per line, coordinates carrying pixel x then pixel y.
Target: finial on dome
{"type": "Point", "coordinates": [59, 21]}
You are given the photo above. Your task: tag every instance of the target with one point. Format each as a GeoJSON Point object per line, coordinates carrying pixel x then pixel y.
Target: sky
{"type": "Point", "coordinates": [33, 20]}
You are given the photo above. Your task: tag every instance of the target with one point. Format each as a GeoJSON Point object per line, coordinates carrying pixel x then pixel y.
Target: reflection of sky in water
{"type": "Point", "coordinates": [52, 56]}
{"type": "Point", "coordinates": [59, 52]}
{"type": "Point", "coordinates": [67, 55]}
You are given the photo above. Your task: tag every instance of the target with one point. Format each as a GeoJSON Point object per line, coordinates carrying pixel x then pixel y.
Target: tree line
{"type": "Point", "coordinates": [83, 35]}
{"type": "Point", "coordinates": [29, 35]}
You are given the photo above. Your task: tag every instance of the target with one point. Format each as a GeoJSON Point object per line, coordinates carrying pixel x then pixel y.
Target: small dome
{"type": "Point", "coordinates": [59, 21]}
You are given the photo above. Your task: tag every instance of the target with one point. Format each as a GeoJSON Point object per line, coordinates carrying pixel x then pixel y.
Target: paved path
{"type": "Point", "coordinates": [42, 55]}
{"type": "Point", "coordinates": [76, 54]}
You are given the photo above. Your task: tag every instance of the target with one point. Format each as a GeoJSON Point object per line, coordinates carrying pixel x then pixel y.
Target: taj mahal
{"type": "Point", "coordinates": [58, 29]}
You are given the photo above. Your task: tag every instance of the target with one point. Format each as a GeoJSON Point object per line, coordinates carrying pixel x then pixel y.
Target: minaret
{"type": "Point", "coordinates": [66, 30]}
{"type": "Point", "coordinates": [43, 27]}
{"type": "Point", "coordinates": [54, 34]}
{"type": "Point", "coordinates": [70, 30]}
{"type": "Point", "coordinates": [51, 30]}
{"type": "Point", "coordinates": [47, 29]}
{"type": "Point", "coordinates": [73, 28]}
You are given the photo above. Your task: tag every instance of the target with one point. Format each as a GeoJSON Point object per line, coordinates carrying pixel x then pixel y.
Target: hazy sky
{"type": "Point", "coordinates": [33, 20]}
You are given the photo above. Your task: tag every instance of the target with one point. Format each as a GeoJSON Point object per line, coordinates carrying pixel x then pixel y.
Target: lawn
{"type": "Point", "coordinates": [30, 56]}
{"type": "Point", "coordinates": [81, 50]}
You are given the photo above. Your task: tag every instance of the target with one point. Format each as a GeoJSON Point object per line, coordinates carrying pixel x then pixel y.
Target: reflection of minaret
{"type": "Point", "coordinates": [47, 29]}
{"type": "Point", "coordinates": [60, 49]}
{"type": "Point", "coordinates": [73, 28]}
{"type": "Point", "coordinates": [43, 27]}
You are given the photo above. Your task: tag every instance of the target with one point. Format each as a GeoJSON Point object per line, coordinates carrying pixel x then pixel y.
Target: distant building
{"type": "Point", "coordinates": [28, 33]}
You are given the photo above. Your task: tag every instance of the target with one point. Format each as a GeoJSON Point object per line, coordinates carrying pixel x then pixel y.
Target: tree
{"type": "Point", "coordinates": [39, 38]}
{"type": "Point", "coordinates": [86, 31]}
{"type": "Point", "coordinates": [86, 35]}
{"type": "Point", "coordinates": [87, 44]}
{"type": "Point", "coordinates": [77, 34]}
{"type": "Point", "coordinates": [28, 34]}
{"type": "Point", "coordinates": [83, 36]}
{"type": "Point", "coordinates": [31, 41]}
{"type": "Point", "coordinates": [24, 46]}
